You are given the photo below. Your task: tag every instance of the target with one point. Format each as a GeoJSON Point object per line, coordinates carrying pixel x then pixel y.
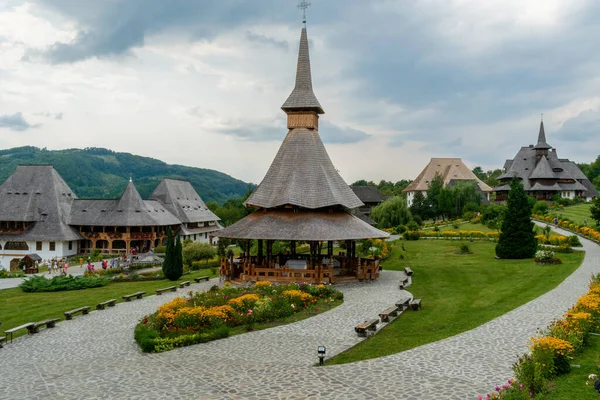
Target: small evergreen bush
{"type": "Point", "coordinates": [61, 283]}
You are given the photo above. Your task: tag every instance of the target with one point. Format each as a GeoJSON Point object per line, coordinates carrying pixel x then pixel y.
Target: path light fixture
{"type": "Point", "coordinates": [321, 352]}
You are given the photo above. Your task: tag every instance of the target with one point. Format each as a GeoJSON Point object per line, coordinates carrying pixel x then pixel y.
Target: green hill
{"type": "Point", "coordinates": [102, 173]}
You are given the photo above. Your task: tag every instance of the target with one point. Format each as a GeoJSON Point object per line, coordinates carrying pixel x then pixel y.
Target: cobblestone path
{"type": "Point", "coordinates": [95, 356]}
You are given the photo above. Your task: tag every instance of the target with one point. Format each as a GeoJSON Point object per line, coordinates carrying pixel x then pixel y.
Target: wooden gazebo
{"type": "Point", "coordinates": [302, 199]}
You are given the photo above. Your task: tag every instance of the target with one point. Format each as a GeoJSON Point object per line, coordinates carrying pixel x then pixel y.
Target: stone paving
{"type": "Point", "coordinates": [95, 356]}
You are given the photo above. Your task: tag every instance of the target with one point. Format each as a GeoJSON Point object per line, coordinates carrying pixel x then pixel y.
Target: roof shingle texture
{"type": "Point", "coordinates": [302, 225]}
{"type": "Point", "coordinates": [303, 97]}
{"type": "Point", "coordinates": [127, 210]}
{"type": "Point", "coordinates": [303, 175]}
{"type": "Point", "coordinates": [368, 194]}
{"type": "Point", "coordinates": [450, 169]}
{"type": "Point", "coordinates": [182, 200]}
{"type": "Point", "coordinates": [38, 194]}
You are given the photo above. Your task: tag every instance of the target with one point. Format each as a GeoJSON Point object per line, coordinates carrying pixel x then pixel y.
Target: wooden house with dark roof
{"type": "Point", "coordinates": [302, 198]}
{"type": "Point", "coordinates": [370, 197]}
{"type": "Point", "coordinates": [543, 174]}
{"type": "Point", "coordinates": [35, 203]}
{"type": "Point", "coordinates": [198, 223]}
{"type": "Point", "coordinates": [39, 212]}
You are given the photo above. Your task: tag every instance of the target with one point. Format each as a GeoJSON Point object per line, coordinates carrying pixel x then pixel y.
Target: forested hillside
{"type": "Point", "coordinates": [102, 173]}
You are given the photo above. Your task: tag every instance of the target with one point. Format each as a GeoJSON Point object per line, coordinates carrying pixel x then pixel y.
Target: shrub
{"type": "Point", "coordinates": [160, 249]}
{"type": "Point", "coordinates": [412, 226]}
{"type": "Point", "coordinates": [464, 249]}
{"type": "Point", "coordinates": [541, 207]}
{"type": "Point", "coordinates": [411, 235]}
{"type": "Point", "coordinates": [195, 251]}
{"type": "Point", "coordinates": [7, 274]}
{"type": "Point", "coordinates": [61, 283]}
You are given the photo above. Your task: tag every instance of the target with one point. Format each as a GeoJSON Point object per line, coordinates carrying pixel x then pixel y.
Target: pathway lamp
{"type": "Point", "coordinates": [321, 353]}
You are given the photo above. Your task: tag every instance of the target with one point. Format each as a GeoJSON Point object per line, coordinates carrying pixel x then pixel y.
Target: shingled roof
{"type": "Point", "coordinates": [303, 97]}
{"type": "Point", "coordinates": [182, 200]}
{"type": "Point", "coordinates": [303, 175]}
{"type": "Point", "coordinates": [127, 210]}
{"type": "Point", "coordinates": [542, 170]}
{"type": "Point", "coordinates": [450, 169]}
{"type": "Point", "coordinates": [38, 194]}
{"type": "Point", "coordinates": [542, 144]}
{"type": "Point", "coordinates": [368, 194]}
{"type": "Point", "coordinates": [285, 224]}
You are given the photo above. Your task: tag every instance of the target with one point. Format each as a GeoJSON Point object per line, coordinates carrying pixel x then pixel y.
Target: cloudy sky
{"type": "Point", "coordinates": [201, 82]}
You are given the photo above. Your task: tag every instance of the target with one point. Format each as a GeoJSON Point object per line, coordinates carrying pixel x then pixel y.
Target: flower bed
{"type": "Point", "coordinates": [214, 314]}
{"type": "Point", "coordinates": [461, 234]}
{"type": "Point", "coordinates": [551, 351]}
{"type": "Point", "coordinates": [546, 257]}
{"type": "Point", "coordinates": [565, 224]}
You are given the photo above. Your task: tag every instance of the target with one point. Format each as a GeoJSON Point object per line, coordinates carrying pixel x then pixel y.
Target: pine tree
{"type": "Point", "coordinates": [170, 268]}
{"type": "Point", "coordinates": [178, 258]}
{"type": "Point", "coordinates": [517, 237]}
{"type": "Point", "coordinates": [595, 210]}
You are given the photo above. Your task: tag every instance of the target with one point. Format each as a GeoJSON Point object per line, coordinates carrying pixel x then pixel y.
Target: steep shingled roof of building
{"type": "Point", "coordinates": [450, 169]}
{"type": "Point", "coordinates": [303, 97]}
{"type": "Point", "coordinates": [182, 200]}
{"type": "Point", "coordinates": [39, 195]}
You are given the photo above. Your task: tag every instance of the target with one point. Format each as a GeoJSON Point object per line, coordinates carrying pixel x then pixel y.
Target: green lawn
{"type": "Point", "coordinates": [459, 292]}
{"type": "Point", "coordinates": [469, 226]}
{"type": "Point", "coordinates": [18, 307]}
{"type": "Point", "coordinates": [577, 213]}
{"type": "Point", "coordinates": [572, 385]}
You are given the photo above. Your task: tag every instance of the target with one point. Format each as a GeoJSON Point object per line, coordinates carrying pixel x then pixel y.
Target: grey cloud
{"type": "Point", "coordinates": [582, 128]}
{"type": "Point", "coordinates": [113, 28]}
{"type": "Point", "coordinates": [15, 122]}
{"type": "Point", "coordinates": [265, 40]}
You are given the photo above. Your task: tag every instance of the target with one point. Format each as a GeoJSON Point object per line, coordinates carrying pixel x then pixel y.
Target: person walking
{"type": "Point", "coordinates": [66, 268]}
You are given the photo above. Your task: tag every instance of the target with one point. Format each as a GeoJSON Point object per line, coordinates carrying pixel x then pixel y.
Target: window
{"type": "Point", "coordinates": [70, 245]}
{"type": "Point", "coordinates": [38, 246]}
{"type": "Point", "coordinates": [16, 246]}
{"type": "Point", "coordinates": [52, 246]}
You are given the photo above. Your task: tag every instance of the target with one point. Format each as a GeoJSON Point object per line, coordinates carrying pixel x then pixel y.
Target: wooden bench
{"type": "Point", "coordinates": [184, 284]}
{"type": "Point", "coordinates": [390, 312]}
{"type": "Point", "coordinates": [13, 330]}
{"type": "Point", "coordinates": [361, 329]}
{"type": "Point", "coordinates": [137, 295]}
{"type": "Point", "coordinates": [416, 304]}
{"type": "Point", "coordinates": [50, 323]}
{"type": "Point", "coordinates": [109, 303]}
{"type": "Point", "coordinates": [403, 282]}
{"type": "Point", "coordinates": [408, 271]}
{"type": "Point", "coordinates": [83, 310]}
{"type": "Point", "coordinates": [202, 278]}
{"type": "Point", "coordinates": [167, 289]}
{"type": "Point", "coordinates": [403, 303]}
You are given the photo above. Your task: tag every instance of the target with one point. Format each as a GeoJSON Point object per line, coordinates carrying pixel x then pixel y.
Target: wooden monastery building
{"type": "Point", "coordinates": [302, 199]}
{"type": "Point", "coordinates": [451, 170]}
{"type": "Point", "coordinates": [544, 174]}
{"type": "Point", "coordinates": [40, 214]}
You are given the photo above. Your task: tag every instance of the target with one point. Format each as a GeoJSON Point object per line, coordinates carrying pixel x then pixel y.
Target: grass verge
{"type": "Point", "coordinates": [18, 307]}
{"type": "Point", "coordinates": [459, 292]}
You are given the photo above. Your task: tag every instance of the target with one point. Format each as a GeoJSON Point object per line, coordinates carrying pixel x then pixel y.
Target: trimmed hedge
{"type": "Point", "coordinates": [61, 283]}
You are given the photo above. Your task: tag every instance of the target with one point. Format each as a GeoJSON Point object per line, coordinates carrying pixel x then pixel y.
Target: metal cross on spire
{"type": "Point", "coordinates": [303, 6]}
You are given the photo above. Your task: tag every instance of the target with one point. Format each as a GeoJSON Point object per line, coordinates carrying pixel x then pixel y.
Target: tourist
{"type": "Point", "coordinates": [54, 266]}
{"type": "Point", "coordinates": [112, 263]}
{"type": "Point", "coordinates": [66, 267]}
{"type": "Point", "coordinates": [80, 262]}
{"type": "Point", "coordinates": [90, 267]}
{"type": "Point", "coordinates": [104, 265]}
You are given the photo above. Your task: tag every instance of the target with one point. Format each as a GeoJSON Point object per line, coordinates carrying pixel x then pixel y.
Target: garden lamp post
{"type": "Point", "coordinates": [321, 352]}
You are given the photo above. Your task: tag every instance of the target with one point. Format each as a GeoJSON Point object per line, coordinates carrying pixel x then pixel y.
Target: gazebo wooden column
{"type": "Point", "coordinates": [269, 252]}
{"type": "Point", "coordinates": [260, 252]}
{"type": "Point", "coordinates": [293, 247]}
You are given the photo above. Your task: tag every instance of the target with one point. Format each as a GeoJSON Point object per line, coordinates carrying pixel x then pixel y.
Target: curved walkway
{"type": "Point", "coordinates": [95, 356]}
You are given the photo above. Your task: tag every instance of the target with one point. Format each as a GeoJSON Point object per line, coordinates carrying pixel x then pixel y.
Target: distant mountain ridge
{"type": "Point", "coordinates": [102, 173]}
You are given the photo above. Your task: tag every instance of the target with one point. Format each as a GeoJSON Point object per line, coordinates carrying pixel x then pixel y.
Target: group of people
{"type": "Point", "coordinates": [58, 266]}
